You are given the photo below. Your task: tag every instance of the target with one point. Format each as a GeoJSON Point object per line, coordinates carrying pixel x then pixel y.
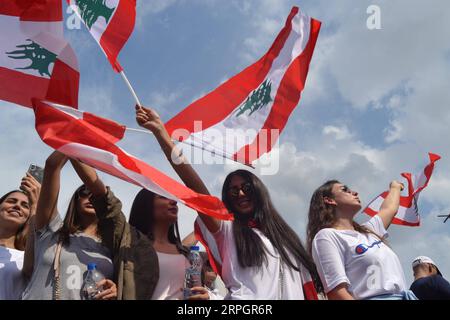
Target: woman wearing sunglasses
{"type": "Point", "coordinates": [354, 261]}
{"type": "Point", "coordinates": [63, 249]}
{"type": "Point", "coordinates": [261, 255]}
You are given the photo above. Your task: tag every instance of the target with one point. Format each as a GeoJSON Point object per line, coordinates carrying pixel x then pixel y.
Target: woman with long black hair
{"type": "Point", "coordinates": [149, 259]}
{"type": "Point", "coordinates": [262, 257]}
{"type": "Point", "coordinates": [63, 248]}
{"type": "Point", "coordinates": [156, 217]}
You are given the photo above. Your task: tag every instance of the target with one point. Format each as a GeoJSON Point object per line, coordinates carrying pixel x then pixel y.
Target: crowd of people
{"type": "Point", "coordinates": [43, 256]}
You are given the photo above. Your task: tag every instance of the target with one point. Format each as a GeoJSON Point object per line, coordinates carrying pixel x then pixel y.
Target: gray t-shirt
{"type": "Point", "coordinates": [82, 250]}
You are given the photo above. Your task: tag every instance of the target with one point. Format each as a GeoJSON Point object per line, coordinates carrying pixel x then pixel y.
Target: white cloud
{"type": "Point", "coordinates": [163, 101]}
{"type": "Point", "coordinates": [339, 133]}
{"type": "Point", "coordinates": [369, 65]}
{"type": "Point", "coordinates": [431, 239]}
{"type": "Point", "coordinates": [145, 9]}
{"type": "Point", "coordinates": [394, 132]}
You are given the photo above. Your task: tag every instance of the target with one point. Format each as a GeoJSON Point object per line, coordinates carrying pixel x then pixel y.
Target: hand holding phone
{"type": "Point", "coordinates": [31, 187]}
{"type": "Point", "coordinates": [37, 172]}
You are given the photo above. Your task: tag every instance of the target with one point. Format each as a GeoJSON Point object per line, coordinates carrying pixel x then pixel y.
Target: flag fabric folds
{"type": "Point", "coordinates": [408, 213]}
{"type": "Point", "coordinates": [111, 23]}
{"type": "Point", "coordinates": [91, 139]}
{"type": "Point", "coordinates": [242, 118]}
{"type": "Point", "coordinates": [35, 61]}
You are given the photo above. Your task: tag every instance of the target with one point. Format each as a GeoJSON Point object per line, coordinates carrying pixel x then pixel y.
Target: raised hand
{"type": "Point", "coordinates": [149, 119]}
{"type": "Point", "coordinates": [32, 188]}
{"type": "Point", "coordinates": [397, 185]}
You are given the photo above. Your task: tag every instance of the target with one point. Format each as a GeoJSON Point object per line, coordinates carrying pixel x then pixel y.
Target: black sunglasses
{"type": "Point", "coordinates": [247, 189]}
{"type": "Point", "coordinates": [346, 189]}
{"type": "Point", "coordinates": [84, 192]}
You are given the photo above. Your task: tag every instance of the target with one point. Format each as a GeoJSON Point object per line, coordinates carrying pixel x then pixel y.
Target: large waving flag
{"type": "Point", "coordinates": [35, 61]}
{"type": "Point", "coordinates": [203, 235]}
{"type": "Point", "coordinates": [93, 140]}
{"type": "Point", "coordinates": [109, 22]}
{"type": "Point", "coordinates": [408, 213]}
{"type": "Point", "coordinates": [243, 117]}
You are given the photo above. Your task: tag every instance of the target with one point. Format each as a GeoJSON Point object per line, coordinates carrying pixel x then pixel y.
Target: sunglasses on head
{"type": "Point", "coordinates": [246, 188]}
{"type": "Point", "coordinates": [84, 192]}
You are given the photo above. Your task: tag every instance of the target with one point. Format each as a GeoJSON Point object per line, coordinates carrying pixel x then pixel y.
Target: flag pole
{"type": "Point", "coordinates": [192, 145]}
{"type": "Point", "coordinates": [130, 87]}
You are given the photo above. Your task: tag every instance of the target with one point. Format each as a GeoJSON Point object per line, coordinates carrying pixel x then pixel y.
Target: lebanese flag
{"type": "Point", "coordinates": [93, 140]}
{"type": "Point", "coordinates": [408, 212]}
{"type": "Point", "coordinates": [243, 118]}
{"type": "Point", "coordinates": [110, 22]}
{"type": "Point", "coordinates": [35, 61]}
{"type": "Point", "coordinates": [203, 235]}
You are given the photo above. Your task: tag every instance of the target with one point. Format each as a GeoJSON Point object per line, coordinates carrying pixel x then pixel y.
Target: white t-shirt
{"type": "Point", "coordinates": [367, 265]}
{"type": "Point", "coordinates": [253, 283]}
{"type": "Point", "coordinates": [171, 277]}
{"type": "Point", "coordinates": [11, 281]}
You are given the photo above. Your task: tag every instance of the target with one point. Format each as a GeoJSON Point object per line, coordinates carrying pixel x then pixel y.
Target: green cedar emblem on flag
{"type": "Point", "coordinates": [40, 57]}
{"type": "Point", "coordinates": [91, 10]}
{"type": "Point", "coordinates": [257, 100]}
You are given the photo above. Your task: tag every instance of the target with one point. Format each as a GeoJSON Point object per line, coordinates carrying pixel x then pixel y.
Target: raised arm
{"type": "Point", "coordinates": [48, 197]}
{"type": "Point", "coordinates": [32, 188]}
{"type": "Point", "coordinates": [390, 205]}
{"type": "Point", "coordinates": [150, 120]}
{"type": "Point", "coordinates": [111, 220]}
{"type": "Point", "coordinates": [28, 260]}
{"type": "Point", "coordinates": [89, 177]}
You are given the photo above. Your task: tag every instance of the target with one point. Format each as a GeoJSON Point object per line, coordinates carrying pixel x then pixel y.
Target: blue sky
{"type": "Point", "coordinates": [376, 101]}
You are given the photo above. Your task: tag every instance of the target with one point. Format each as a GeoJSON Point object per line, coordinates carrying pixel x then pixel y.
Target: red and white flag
{"type": "Point", "coordinates": [35, 61]}
{"type": "Point", "coordinates": [408, 213]}
{"type": "Point", "coordinates": [110, 22]}
{"type": "Point", "coordinates": [242, 119]}
{"type": "Point", "coordinates": [93, 140]}
{"type": "Point", "coordinates": [203, 235]}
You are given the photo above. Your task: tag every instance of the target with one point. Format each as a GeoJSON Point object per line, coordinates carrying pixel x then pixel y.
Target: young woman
{"type": "Point", "coordinates": [16, 208]}
{"type": "Point", "coordinates": [354, 261]}
{"type": "Point", "coordinates": [149, 259]}
{"type": "Point", "coordinates": [156, 217]}
{"type": "Point", "coordinates": [64, 248]}
{"type": "Point", "coordinates": [262, 256]}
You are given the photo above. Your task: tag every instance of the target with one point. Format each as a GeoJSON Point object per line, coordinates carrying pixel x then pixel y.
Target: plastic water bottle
{"type": "Point", "coordinates": [93, 276]}
{"type": "Point", "coordinates": [193, 273]}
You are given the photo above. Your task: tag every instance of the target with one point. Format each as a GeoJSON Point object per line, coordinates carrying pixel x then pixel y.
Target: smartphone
{"type": "Point", "coordinates": [37, 172]}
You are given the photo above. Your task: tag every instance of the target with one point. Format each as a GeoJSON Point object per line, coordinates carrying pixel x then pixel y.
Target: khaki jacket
{"type": "Point", "coordinates": [136, 269]}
